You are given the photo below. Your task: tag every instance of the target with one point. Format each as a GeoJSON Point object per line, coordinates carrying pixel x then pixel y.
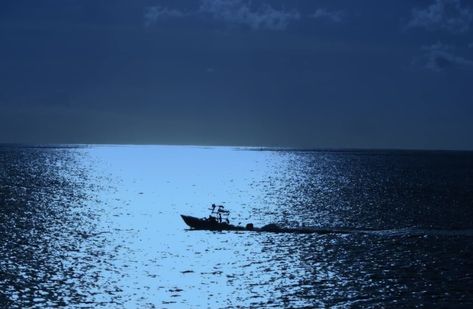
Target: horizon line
{"type": "Point", "coordinates": [261, 147]}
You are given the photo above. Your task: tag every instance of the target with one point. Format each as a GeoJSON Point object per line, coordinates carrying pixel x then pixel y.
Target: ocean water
{"type": "Point", "coordinates": [99, 226]}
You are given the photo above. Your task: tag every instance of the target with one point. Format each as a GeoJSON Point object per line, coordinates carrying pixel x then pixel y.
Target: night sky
{"type": "Point", "coordinates": [292, 73]}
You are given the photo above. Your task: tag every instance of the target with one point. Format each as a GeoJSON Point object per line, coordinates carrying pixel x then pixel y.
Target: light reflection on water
{"type": "Point", "coordinates": [100, 226]}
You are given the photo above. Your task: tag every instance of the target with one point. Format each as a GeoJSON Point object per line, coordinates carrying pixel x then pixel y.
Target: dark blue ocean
{"type": "Point", "coordinates": [100, 226]}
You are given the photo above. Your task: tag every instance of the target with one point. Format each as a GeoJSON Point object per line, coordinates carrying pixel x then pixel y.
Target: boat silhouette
{"type": "Point", "coordinates": [218, 221]}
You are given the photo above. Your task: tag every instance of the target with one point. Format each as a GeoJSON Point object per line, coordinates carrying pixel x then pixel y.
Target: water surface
{"type": "Point", "coordinates": [99, 227]}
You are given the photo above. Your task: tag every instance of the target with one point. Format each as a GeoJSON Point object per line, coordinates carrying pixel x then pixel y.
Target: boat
{"type": "Point", "coordinates": [209, 224]}
{"type": "Point", "coordinates": [218, 221]}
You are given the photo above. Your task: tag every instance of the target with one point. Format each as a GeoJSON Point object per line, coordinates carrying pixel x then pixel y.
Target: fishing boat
{"type": "Point", "coordinates": [209, 224]}
{"type": "Point", "coordinates": [218, 221]}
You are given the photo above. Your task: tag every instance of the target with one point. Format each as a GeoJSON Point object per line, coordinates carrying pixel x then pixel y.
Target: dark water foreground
{"type": "Point", "coordinates": [100, 227]}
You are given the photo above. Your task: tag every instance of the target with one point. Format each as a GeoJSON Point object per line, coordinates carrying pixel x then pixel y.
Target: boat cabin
{"type": "Point", "coordinates": [219, 214]}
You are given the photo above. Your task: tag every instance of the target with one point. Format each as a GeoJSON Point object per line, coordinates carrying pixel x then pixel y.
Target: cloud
{"type": "Point", "coordinates": [333, 16]}
{"type": "Point", "coordinates": [440, 56]}
{"type": "Point", "coordinates": [241, 12]}
{"type": "Point", "coordinates": [446, 15]}
{"type": "Point", "coordinates": [156, 13]}
{"type": "Point", "coordinates": [236, 12]}
{"type": "Point", "coordinates": [470, 45]}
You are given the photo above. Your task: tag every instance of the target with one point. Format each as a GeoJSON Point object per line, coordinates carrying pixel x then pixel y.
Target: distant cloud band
{"type": "Point", "coordinates": [241, 12]}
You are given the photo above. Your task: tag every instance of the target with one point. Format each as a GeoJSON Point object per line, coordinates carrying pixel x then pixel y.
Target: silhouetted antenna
{"type": "Point", "coordinates": [212, 209]}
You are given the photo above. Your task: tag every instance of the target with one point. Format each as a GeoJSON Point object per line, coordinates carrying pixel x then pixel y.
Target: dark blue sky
{"type": "Point", "coordinates": [295, 73]}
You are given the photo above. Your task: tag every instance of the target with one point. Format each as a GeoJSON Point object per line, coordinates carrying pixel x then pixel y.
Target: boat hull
{"type": "Point", "coordinates": [205, 224]}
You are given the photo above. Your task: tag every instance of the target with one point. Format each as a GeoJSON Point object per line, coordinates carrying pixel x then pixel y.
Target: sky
{"type": "Point", "coordinates": [286, 73]}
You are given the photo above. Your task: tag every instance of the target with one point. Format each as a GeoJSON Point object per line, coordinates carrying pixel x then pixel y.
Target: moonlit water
{"type": "Point", "coordinates": [100, 227]}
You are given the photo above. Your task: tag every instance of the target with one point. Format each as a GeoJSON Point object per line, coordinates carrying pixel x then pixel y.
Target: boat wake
{"type": "Point", "coordinates": [416, 232]}
{"type": "Point", "coordinates": [399, 232]}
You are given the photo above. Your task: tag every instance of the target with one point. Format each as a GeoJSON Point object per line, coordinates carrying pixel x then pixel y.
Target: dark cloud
{"type": "Point", "coordinates": [440, 56]}
{"type": "Point", "coordinates": [449, 15]}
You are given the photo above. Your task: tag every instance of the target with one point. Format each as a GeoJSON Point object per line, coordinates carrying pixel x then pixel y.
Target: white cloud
{"type": "Point", "coordinates": [447, 15]}
{"type": "Point", "coordinates": [241, 12]}
{"type": "Point", "coordinates": [156, 13]}
{"type": "Point", "coordinates": [440, 56]}
{"type": "Point", "coordinates": [470, 45]}
{"type": "Point", "coordinates": [333, 16]}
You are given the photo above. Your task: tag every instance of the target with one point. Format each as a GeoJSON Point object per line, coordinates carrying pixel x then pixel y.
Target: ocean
{"type": "Point", "coordinates": [100, 226]}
